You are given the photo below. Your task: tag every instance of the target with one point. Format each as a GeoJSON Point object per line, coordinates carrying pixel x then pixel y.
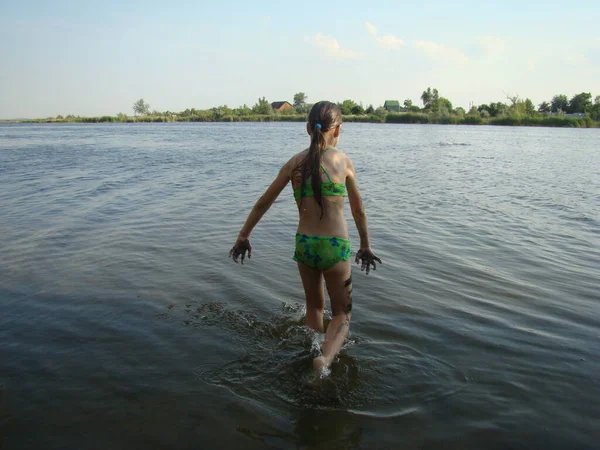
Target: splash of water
{"type": "Point", "coordinates": [276, 364]}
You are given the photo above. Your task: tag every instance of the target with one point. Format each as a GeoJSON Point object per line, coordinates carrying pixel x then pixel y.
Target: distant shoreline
{"type": "Point", "coordinates": [399, 118]}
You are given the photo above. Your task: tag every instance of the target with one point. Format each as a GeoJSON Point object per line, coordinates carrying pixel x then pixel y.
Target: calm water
{"type": "Point", "coordinates": [124, 325]}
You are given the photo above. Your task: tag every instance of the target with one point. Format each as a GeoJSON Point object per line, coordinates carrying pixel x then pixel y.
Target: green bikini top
{"type": "Point", "coordinates": [328, 188]}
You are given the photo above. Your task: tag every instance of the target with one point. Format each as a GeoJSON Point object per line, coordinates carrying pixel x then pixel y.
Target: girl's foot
{"type": "Point", "coordinates": [320, 365]}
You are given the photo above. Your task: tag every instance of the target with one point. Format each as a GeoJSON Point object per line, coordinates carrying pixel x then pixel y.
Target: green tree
{"type": "Point", "coordinates": [346, 106]}
{"type": "Point", "coordinates": [370, 110]}
{"type": "Point", "coordinates": [243, 110]}
{"type": "Point", "coordinates": [474, 111]}
{"type": "Point", "coordinates": [444, 106]}
{"type": "Point", "coordinates": [408, 103]}
{"type": "Point", "coordinates": [300, 102]}
{"type": "Point", "coordinates": [484, 107]}
{"type": "Point", "coordinates": [460, 111]}
{"type": "Point", "coordinates": [262, 107]}
{"type": "Point", "coordinates": [381, 112]}
{"type": "Point", "coordinates": [221, 111]}
{"type": "Point", "coordinates": [559, 103]}
{"type": "Point", "coordinates": [595, 111]}
{"type": "Point", "coordinates": [544, 107]}
{"type": "Point", "coordinates": [580, 103]}
{"type": "Point", "coordinates": [141, 107]}
{"type": "Point", "coordinates": [430, 99]}
{"type": "Point", "coordinates": [358, 110]}
{"type": "Point", "coordinates": [435, 101]}
{"type": "Point", "coordinates": [426, 97]}
{"type": "Point", "coordinates": [498, 109]}
{"type": "Point", "coordinates": [529, 107]}
{"type": "Point", "coordinates": [521, 108]}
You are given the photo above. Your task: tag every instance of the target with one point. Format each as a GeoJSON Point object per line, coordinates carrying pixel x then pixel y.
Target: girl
{"type": "Point", "coordinates": [320, 176]}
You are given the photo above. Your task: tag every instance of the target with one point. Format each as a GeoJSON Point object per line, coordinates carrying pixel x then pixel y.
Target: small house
{"type": "Point", "coordinates": [392, 105]}
{"type": "Point", "coordinates": [281, 106]}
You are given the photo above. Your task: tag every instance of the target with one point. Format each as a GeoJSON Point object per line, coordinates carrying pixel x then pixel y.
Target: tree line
{"type": "Point", "coordinates": [433, 103]}
{"type": "Point", "coordinates": [435, 109]}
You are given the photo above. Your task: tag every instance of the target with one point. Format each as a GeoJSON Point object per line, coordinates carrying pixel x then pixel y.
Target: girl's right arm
{"type": "Point", "coordinates": [364, 254]}
{"type": "Point", "coordinates": [242, 244]}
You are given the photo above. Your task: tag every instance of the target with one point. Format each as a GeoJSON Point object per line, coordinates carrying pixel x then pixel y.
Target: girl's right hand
{"type": "Point", "coordinates": [366, 257]}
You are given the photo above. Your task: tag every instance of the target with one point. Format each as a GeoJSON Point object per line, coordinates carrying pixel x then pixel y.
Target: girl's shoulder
{"type": "Point", "coordinates": [338, 155]}
{"type": "Point", "coordinates": [337, 151]}
{"type": "Point", "coordinates": [295, 162]}
{"type": "Point", "coordinates": [299, 157]}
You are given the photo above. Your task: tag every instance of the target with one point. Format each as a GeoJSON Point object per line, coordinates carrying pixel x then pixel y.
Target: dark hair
{"type": "Point", "coordinates": [323, 116]}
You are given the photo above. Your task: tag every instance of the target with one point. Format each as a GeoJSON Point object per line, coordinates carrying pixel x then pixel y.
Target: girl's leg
{"type": "Point", "coordinates": [339, 288]}
{"type": "Point", "coordinates": [312, 280]}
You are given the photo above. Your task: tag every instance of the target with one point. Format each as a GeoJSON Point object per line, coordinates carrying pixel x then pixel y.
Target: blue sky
{"type": "Point", "coordinates": [84, 58]}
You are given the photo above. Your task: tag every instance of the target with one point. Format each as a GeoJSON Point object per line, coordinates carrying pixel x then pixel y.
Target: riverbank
{"type": "Point", "coordinates": [537, 120]}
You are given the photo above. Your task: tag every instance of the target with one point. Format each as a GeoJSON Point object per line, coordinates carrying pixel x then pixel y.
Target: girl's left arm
{"type": "Point", "coordinates": [260, 208]}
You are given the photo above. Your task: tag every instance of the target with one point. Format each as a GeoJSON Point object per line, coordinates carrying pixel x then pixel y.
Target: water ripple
{"type": "Point", "coordinates": [483, 318]}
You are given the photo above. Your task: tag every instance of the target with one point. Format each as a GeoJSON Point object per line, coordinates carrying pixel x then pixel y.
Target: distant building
{"type": "Point", "coordinates": [392, 105]}
{"type": "Point", "coordinates": [281, 106]}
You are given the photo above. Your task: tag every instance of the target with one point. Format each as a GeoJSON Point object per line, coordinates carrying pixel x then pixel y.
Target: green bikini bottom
{"type": "Point", "coordinates": [321, 252]}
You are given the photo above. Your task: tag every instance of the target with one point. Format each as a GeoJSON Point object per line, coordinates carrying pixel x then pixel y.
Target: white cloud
{"type": "Point", "coordinates": [438, 51]}
{"type": "Point", "coordinates": [332, 46]}
{"type": "Point", "coordinates": [390, 41]}
{"type": "Point", "coordinates": [491, 45]}
{"type": "Point", "coordinates": [372, 28]}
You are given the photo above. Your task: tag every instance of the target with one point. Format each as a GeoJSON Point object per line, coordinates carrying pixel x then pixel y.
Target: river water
{"type": "Point", "coordinates": [124, 325]}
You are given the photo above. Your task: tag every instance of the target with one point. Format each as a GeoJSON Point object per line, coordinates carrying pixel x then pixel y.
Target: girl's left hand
{"type": "Point", "coordinates": [242, 245]}
{"type": "Point", "coordinates": [366, 258]}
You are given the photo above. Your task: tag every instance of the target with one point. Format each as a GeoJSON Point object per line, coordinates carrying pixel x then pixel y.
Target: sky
{"type": "Point", "coordinates": [97, 58]}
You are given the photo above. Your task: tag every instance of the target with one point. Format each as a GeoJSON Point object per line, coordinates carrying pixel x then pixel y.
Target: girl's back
{"type": "Point", "coordinates": [332, 221]}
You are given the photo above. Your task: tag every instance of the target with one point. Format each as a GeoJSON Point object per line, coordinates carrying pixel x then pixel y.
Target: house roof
{"type": "Point", "coordinates": [277, 105]}
{"type": "Point", "coordinates": [392, 103]}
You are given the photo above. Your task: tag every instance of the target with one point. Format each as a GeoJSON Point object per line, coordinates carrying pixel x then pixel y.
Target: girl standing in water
{"type": "Point", "coordinates": [320, 176]}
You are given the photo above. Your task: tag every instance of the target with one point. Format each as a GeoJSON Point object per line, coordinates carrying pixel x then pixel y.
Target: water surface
{"type": "Point", "coordinates": [124, 325]}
